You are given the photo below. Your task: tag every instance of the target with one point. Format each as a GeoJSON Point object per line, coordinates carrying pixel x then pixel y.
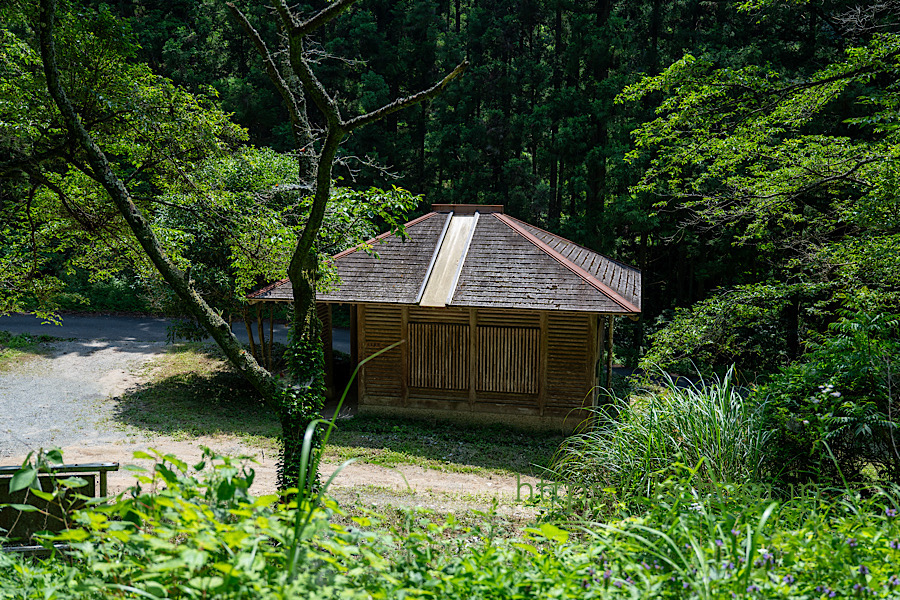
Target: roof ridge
{"type": "Point", "coordinates": [613, 295]}
{"type": "Point", "coordinates": [267, 288]}
{"type": "Point", "coordinates": [382, 236]}
{"type": "Point", "coordinates": [582, 246]}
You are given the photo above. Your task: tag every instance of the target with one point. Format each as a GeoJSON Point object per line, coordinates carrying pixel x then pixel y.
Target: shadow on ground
{"type": "Point", "coordinates": [204, 398]}
{"type": "Point", "coordinates": [196, 394]}
{"type": "Point", "coordinates": [495, 447]}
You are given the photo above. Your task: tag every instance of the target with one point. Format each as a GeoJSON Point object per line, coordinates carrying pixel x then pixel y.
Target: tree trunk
{"type": "Point", "coordinates": [103, 173]}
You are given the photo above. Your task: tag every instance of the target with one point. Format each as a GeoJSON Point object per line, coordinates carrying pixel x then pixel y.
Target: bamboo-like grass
{"type": "Point", "coordinates": [709, 425]}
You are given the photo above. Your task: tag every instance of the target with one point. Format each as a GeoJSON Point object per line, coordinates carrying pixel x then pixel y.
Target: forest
{"type": "Point", "coordinates": [744, 155]}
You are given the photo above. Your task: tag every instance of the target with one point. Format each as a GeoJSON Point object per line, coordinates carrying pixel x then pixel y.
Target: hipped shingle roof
{"type": "Point", "coordinates": [505, 263]}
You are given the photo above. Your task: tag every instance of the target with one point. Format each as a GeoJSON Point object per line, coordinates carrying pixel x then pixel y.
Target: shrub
{"type": "Point", "coordinates": [183, 535]}
{"type": "Point", "coordinates": [834, 413]}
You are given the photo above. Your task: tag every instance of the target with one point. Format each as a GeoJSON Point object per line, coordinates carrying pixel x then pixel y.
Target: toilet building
{"type": "Point", "coordinates": [499, 320]}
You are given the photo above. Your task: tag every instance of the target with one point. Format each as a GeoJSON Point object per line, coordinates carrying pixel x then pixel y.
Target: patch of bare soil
{"type": "Point", "coordinates": [359, 484]}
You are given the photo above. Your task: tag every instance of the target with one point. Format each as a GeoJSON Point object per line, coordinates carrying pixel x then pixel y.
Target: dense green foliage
{"type": "Point", "coordinates": [744, 155]}
{"type": "Point", "coordinates": [762, 174]}
{"type": "Point", "coordinates": [833, 413]}
{"type": "Point", "coordinates": [203, 535]}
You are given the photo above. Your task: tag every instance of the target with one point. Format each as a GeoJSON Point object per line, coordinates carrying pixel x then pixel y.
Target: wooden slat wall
{"type": "Point", "coordinates": [382, 378]}
{"type": "Point", "coordinates": [508, 360]}
{"type": "Point", "coordinates": [419, 314]}
{"type": "Point", "coordinates": [508, 355]}
{"type": "Point", "coordinates": [439, 355]}
{"type": "Point", "coordinates": [508, 318]}
{"type": "Point", "coordinates": [568, 363]}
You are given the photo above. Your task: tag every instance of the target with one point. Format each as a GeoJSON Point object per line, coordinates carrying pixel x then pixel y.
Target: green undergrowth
{"type": "Point", "coordinates": [16, 348]}
{"type": "Point", "coordinates": [199, 533]}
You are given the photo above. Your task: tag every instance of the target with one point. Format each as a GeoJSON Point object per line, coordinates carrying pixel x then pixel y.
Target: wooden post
{"type": "Point", "coordinates": [354, 336]}
{"type": "Point", "coordinates": [361, 352]}
{"type": "Point", "coordinates": [544, 345]}
{"type": "Point", "coordinates": [601, 349]}
{"type": "Point", "coordinates": [404, 355]}
{"type": "Point", "coordinates": [609, 353]}
{"type": "Point", "coordinates": [250, 334]}
{"type": "Point", "coordinates": [271, 335]}
{"type": "Point", "coordinates": [323, 311]}
{"type": "Point", "coordinates": [262, 338]}
{"type": "Point", "coordinates": [593, 355]}
{"type": "Point", "coordinates": [473, 356]}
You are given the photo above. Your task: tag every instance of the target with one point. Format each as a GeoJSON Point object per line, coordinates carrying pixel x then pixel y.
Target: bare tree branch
{"type": "Point", "coordinates": [401, 103]}
{"type": "Point", "coordinates": [296, 107]}
{"type": "Point", "coordinates": [321, 18]}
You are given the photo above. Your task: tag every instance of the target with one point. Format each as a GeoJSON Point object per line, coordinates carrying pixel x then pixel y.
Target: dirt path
{"type": "Point", "coordinates": [358, 483]}
{"type": "Point", "coordinates": [68, 399]}
{"type": "Point", "coordinates": [64, 397]}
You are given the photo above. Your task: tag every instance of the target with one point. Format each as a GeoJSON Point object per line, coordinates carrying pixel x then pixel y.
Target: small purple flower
{"type": "Point", "coordinates": [720, 543]}
{"type": "Point", "coordinates": [852, 542]}
{"type": "Point", "coordinates": [686, 585]}
{"type": "Point", "coordinates": [728, 566]}
{"type": "Point", "coordinates": [735, 532]}
{"type": "Point", "coordinates": [607, 574]}
{"type": "Point", "coordinates": [617, 583]}
{"type": "Point", "coordinates": [863, 570]}
{"type": "Point", "coordinates": [645, 565]}
{"type": "Point", "coordinates": [629, 581]}
{"type": "Point", "coordinates": [894, 581]}
{"type": "Point", "coordinates": [894, 544]}
{"type": "Point", "coordinates": [890, 512]}
{"type": "Point", "coordinates": [788, 579]}
{"type": "Point", "coordinates": [585, 584]}
{"type": "Point", "coordinates": [856, 587]}
{"type": "Point", "coordinates": [752, 588]}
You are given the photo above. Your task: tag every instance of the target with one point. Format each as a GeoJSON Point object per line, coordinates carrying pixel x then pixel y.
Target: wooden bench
{"type": "Point", "coordinates": [19, 525]}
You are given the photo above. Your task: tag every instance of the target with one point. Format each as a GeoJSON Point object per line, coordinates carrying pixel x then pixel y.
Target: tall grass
{"type": "Point", "coordinates": [708, 424]}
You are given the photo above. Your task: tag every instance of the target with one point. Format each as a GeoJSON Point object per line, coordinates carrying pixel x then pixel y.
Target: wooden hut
{"type": "Point", "coordinates": [502, 321]}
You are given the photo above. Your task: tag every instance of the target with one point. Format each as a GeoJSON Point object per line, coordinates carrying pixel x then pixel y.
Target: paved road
{"type": "Point", "coordinates": [132, 329]}
{"type": "Point", "coordinates": [62, 398]}
{"type": "Point", "coordinates": [128, 329]}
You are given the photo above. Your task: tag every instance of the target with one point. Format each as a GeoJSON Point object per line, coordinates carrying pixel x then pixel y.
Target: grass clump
{"type": "Point", "coordinates": [710, 424]}
{"type": "Point", "coordinates": [16, 348]}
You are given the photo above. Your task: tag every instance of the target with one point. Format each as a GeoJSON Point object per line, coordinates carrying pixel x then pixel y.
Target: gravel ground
{"type": "Point", "coordinates": [63, 398]}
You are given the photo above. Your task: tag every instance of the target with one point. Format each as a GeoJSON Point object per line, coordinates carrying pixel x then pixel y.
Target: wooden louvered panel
{"type": "Point", "coordinates": [439, 355]}
{"type": "Point", "coordinates": [421, 314]}
{"type": "Point", "coordinates": [568, 361]}
{"type": "Point", "coordinates": [381, 375]}
{"type": "Point", "coordinates": [508, 360]}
